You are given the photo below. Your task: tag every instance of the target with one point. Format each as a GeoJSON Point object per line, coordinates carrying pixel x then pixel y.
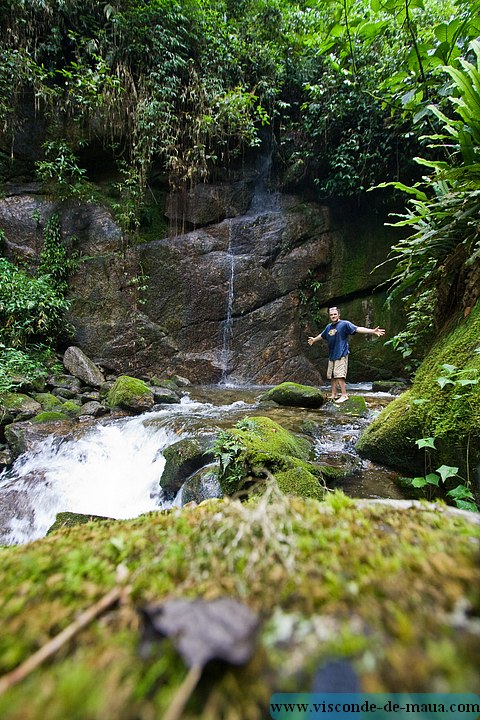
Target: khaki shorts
{"type": "Point", "coordinates": [337, 368]}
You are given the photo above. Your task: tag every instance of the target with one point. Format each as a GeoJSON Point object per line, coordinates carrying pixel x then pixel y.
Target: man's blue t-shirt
{"type": "Point", "coordinates": [336, 335]}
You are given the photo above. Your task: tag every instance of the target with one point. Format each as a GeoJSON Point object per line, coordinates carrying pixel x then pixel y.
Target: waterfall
{"type": "Point", "coordinates": [228, 322]}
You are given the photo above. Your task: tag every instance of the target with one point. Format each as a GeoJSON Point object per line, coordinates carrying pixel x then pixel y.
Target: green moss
{"type": "Point", "coordinates": [326, 577]}
{"type": "Point", "coordinates": [450, 414]}
{"type": "Point", "coordinates": [256, 446]}
{"type": "Point", "coordinates": [67, 519]}
{"type": "Point", "coordinates": [71, 409]}
{"type": "Point", "coordinates": [298, 480]}
{"type": "Point", "coordinates": [50, 416]}
{"type": "Point", "coordinates": [14, 402]}
{"type": "Point", "coordinates": [48, 401]}
{"type": "Point", "coordinates": [125, 390]}
{"type": "Point", "coordinates": [295, 395]}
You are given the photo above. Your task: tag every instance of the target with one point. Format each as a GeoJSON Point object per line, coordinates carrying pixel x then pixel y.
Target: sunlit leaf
{"type": "Point", "coordinates": [426, 442]}
{"type": "Point", "coordinates": [447, 471]}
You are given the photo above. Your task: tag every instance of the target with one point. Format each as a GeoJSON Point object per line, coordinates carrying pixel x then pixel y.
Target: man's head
{"type": "Point", "coordinates": [334, 314]}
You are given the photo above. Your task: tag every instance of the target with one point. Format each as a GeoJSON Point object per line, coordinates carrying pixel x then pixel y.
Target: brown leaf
{"type": "Point", "coordinates": [222, 629]}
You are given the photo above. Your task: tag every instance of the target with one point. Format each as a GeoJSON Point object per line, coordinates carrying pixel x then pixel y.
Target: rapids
{"type": "Point", "coordinates": [113, 467]}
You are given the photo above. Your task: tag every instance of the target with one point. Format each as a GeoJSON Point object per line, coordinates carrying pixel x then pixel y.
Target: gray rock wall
{"type": "Point", "coordinates": [218, 303]}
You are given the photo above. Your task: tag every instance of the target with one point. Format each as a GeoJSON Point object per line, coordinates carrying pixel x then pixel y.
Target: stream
{"type": "Point", "coordinates": [112, 468]}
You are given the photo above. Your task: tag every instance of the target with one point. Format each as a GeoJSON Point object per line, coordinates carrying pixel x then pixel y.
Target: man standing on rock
{"type": "Point", "coordinates": [336, 334]}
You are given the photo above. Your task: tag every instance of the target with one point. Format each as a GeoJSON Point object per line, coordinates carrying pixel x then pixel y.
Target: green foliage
{"type": "Point", "coordinates": [443, 212]}
{"type": "Point", "coordinates": [32, 311]}
{"type": "Point", "coordinates": [18, 368]}
{"type": "Point", "coordinates": [60, 171]}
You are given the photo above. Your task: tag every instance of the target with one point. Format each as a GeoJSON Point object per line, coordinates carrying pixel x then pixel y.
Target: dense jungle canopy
{"type": "Point", "coordinates": [349, 93]}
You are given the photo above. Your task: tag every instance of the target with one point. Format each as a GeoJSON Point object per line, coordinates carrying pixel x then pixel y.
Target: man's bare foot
{"type": "Point", "coordinates": [331, 397]}
{"type": "Point", "coordinates": [342, 399]}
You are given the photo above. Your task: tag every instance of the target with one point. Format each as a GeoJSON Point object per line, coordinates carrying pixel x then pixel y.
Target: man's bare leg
{"type": "Point", "coordinates": [343, 390]}
{"type": "Point", "coordinates": [333, 392]}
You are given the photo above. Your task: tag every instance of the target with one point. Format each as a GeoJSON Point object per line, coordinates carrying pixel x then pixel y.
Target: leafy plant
{"type": "Point", "coordinates": [18, 367]}
{"type": "Point", "coordinates": [443, 210]}
{"type": "Point", "coordinates": [461, 383]}
{"type": "Point", "coordinates": [61, 171]}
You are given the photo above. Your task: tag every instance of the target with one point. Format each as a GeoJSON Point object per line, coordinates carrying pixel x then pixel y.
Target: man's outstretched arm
{"type": "Point", "coordinates": [371, 331]}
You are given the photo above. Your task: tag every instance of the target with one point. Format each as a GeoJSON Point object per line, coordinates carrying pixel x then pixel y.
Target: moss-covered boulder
{"type": "Point", "coordinates": [181, 460]}
{"type": "Point", "coordinates": [18, 406]}
{"type": "Point", "coordinates": [50, 416]}
{"type": "Point", "coordinates": [355, 405]}
{"type": "Point", "coordinates": [443, 403]}
{"type": "Point", "coordinates": [130, 394]}
{"type": "Point", "coordinates": [65, 520]}
{"type": "Point", "coordinates": [258, 447]}
{"type": "Point", "coordinates": [48, 401]}
{"type": "Point", "coordinates": [326, 577]}
{"type": "Point", "coordinates": [295, 395]}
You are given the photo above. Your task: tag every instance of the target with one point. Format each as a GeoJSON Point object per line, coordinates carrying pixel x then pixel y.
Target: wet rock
{"type": "Point", "coordinates": [79, 365]}
{"type": "Point", "coordinates": [64, 393]}
{"type": "Point", "coordinates": [164, 395]}
{"type": "Point", "coordinates": [6, 456]}
{"type": "Point", "coordinates": [202, 485]}
{"type": "Point", "coordinates": [22, 436]}
{"type": "Point", "coordinates": [94, 408]}
{"type": "Point", "coordinates": [181, 460]}
{"type": "Point", "coordinates": [394, 387]}
{"type": "Point", "coordinates": [18, 406]}
{"type": "Point", "coordinates": [68, 382]}
{"type": "Point", "coordinates": [48, 401]}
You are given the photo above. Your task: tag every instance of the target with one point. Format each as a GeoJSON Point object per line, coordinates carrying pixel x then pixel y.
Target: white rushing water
{"type": "Point", "coordinates": [113, 470]}
{"type": "Point", "coordinates": [114, 467]}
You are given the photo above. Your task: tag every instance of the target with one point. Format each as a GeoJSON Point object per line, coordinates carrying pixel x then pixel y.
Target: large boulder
{"type": "Point", "coordinates": [257, 448]}
{"type": "Point", "coordinates": [79, 365]}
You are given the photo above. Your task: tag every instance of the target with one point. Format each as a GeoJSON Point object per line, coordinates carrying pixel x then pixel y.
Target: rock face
{"type": "Point", "coordinates": [223, 302]}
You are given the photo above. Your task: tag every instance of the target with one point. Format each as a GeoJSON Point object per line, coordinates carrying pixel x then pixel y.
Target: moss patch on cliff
{"type": "Point", "coordinates": [328, 578]}
{"type": "Point", "coordinates": [443, 403]}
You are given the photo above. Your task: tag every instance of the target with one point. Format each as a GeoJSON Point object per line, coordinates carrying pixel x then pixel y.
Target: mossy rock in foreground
{"type": "Point", "coordinates": [295, 395]}
{"type": "Point", "coordinates": [328, 578]}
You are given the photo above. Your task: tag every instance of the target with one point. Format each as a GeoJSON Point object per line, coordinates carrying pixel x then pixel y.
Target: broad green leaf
{"type": "Point", "coordinates": [460, 493]}
{"type": "Point", "coordinates": [442, 381]}
{"type": "Point", "coordinates": [419, 482]}
{"type": "Point", "coordinates": [426, 442]}
{"type": "Point", "coordinates": [432, 479]}
{"type": "Point", "coordinates": [465, 505]}
{"type": "Point", "coordinates": [447, 471]}
{"type": "Point", "coordinates": [448, 368]}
